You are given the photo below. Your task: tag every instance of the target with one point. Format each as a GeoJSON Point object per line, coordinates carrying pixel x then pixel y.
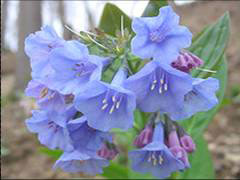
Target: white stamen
{"type": "Point", "coordinates": [154, 162]}
{"type": "Point", "coordinates": [161, 81]}
{"type": "Point", "coordinates": [152, 86]}
{"type": "Point", "coordinates": [160, 90]}
{"type": "Point", "coordinates": [160, 159]}
{"type": "Point", "coordinates": [112, 109]}
{"type": "Point", "coordinates": [165, 87]}
{"type": "Point", "coordinates": [153, 156]}
{"type": "Point", "coordinates": [104, 100]}
{"type": "Point", "coordinates": [155, 81]}
{"type": "Point", "coordinates": [104, 106]}
{"type": "Point", "coordinates": [113, 98]}
{"type": "Point", "coordinates": [118, 104]}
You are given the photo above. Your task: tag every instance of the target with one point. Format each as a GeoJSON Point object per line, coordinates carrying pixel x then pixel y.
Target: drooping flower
{"type": "Point", "coordinates": [155, 157]}
{"type": "Point", "coordinates": [81, 162]}
{"type": "Point", "coordinates": [51, 128]}
{"type": "Point", "coordinates": [38, 46]}
{"type": "Point", "coordinates": [107, 106]}
{"type": "Point", "coordinates": [145, 136]}
{"type": "Point", "coordinates": [108, 151]}
{"type": "Point", "coordinates": [177, 150]}
{"type": "Point", "coordinates": [160, 37]}
{"type": "Point", "coordinates": [160, 87]}
{"type": "Point", "coordinates": [47, 99]}
{"type": "Point", "coordinates": [201, 98]}
{"type": "Point", "coordinates": [74, 67]}
{"type": "Point", "coordinates": [84, 137]}
{"type": "Point", "coordinates": [187, 61]}
{"type": "Point", "coordinates": [187, 143]}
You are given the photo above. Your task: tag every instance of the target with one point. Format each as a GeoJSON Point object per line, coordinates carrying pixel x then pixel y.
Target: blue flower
{"type": "Point", "coordinates": [74, 67]}
{"type": "Point", "coordinates": [107, 106]}
{"type": "Point", "coordinates": [47, 99]}
{"type": "Point", "coordinates": [85, 137]}
{"type": "Point", "coordinates": [155, 157]}
{"type": "Point", "coordinates": [81, 162]}
{"type": "Point", "coordinates": [160, 37]}
{"type": "Point", "coordinates": [160, 87]}
{"type": "Point", "coordinates": [38, 47]}
{"type": "Point", "coordinates": [51, 128]}
{"type": "Point", "coordinates": [201, 98]}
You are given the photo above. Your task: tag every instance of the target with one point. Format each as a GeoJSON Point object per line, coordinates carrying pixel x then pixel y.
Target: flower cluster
{"type": "Point", "coordinates": [78, 109]}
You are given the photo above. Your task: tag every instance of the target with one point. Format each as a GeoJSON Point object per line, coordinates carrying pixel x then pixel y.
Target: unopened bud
{"type": "Point", "coordinates": [186, 61]}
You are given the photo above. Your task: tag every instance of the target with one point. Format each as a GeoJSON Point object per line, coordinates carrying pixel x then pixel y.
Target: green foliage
{"type": "Point", "coordinates": [55, 154]}
{"type": "Point", "coordinates": [201, 163]}
{"type": "Point", "coordinates": [111, 19]}
{"type": "Point", "coordinates": [210, 45]}
{"type": "Point", "coordinates": [153, 7]}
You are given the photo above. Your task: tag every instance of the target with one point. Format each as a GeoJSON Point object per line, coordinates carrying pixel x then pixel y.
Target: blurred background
{"type": "Point", "coordinates": [20, 156]}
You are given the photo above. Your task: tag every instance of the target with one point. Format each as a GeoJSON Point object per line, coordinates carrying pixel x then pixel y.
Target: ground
{"type": "Point", "coordinates": [25, 161]}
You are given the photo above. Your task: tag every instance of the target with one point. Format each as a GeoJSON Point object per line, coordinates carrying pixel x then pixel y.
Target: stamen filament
{"type": "Point", "coordinates": [104, 106]}
{"type": "Point", "coordinates": [112, 109]}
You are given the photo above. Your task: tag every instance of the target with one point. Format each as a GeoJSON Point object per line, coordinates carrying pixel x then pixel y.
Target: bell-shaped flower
{"type": "Point", "coordinates": [160, 37]}
{"type": "Point", "coordinates": [47, 99]}
{"type": "Point", "coordinates": [81, 162]}
{"type": "Point", "coordinates": [155, 158]}
{"type": "Point", "coordinates": [201, 98]}
{"type": "Point", "coordinates": [160, 87]}
{"type": "Point", "coordinates": [107, 106]}
{"type": "Point", "coordinates": [74, 67]}
{"type": "Point", "coordinates": [38, 46]}
{"type": "Point", "coordinates": [51, 128]}
{"type": "Point", "coordinates": [187, 61]}
{"type": "Point", "coordinates": [84, 137]}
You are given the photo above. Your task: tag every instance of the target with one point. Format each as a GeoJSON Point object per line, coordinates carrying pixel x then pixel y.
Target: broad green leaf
{"type": "Point", "coordinates": [115, 171]}
{"type": "Point", "coordinates": [55, 154]}
{"type": "Point", "coordinates": [111, 19]}
{"type": "Point", "coordinates": [153, 7]}
{"type": "Point", "coordinates": [201, 163]}
{"type": "Point", "coordinates": [210, 44]}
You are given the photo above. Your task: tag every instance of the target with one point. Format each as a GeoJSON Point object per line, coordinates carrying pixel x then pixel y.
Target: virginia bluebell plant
{"type": "Point", "coordinates": [78, 108]}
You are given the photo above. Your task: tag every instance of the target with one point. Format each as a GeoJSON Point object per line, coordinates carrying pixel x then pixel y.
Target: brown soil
{"type": "Point", "coordinates": [25, 161]}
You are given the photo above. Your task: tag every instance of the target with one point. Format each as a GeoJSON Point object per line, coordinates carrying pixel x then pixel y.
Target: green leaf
{"type": "Point", "coordinates": [55, 154]}
{"type": "Point", "coordinates": [111, 19]}
{"type": "Point", "coordinates": [201, 163]}
{"type": "Point", "coordinates": [115, 171]}
{"type": "Point", "coordinates": [210, 44]}
{"type": "Point", "coordinates": [153, 7]}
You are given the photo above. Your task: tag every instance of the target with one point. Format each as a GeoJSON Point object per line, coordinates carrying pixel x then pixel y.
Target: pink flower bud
{"type": "Point", "coordinates": [176, 149]}
{"type": "Point", "coordinates": [186, 61]}
{"type": "Point", "coordinates": [188, 143]}
{"type": "Point", "coordinates": [107, 153]}
{"type": "Point", "coordinates": [145, 137]}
